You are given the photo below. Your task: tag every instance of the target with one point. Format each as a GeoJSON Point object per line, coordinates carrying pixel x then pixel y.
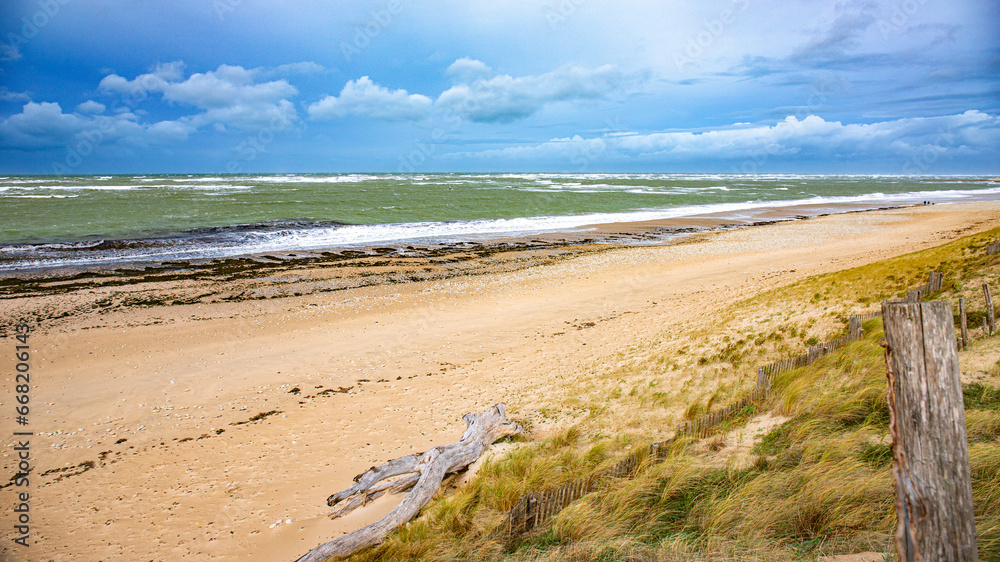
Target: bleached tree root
{"type": "Point", "coordinates": [421, 474]}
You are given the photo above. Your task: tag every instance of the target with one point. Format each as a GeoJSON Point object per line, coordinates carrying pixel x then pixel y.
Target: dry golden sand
{"type": "Point", "coordinates": [166, 379]}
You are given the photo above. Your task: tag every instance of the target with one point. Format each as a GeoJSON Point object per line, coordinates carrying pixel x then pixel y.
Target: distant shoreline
{"type": "Point", "coordinates": [106, 222]}
{"type": "Point", "coordinates": [655, 232]}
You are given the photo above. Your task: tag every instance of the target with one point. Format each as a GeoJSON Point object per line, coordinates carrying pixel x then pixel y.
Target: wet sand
{"type": "Point", "coordinates": [207, 411]}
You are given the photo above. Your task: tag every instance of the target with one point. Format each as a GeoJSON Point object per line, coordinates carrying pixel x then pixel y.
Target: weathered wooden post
{"type": "Point", "coordinates": [935, 282]}
{"type": "Point", "coordinates": [965, 322]}
{"type": "Point", "coordinates": [762, 382]}
{"type": "Point", "coordinates": [854, 327]}
{"type": "Point", "coordinates": [936, 519]}
{"type": "Point", "coordinates": [989, 308]}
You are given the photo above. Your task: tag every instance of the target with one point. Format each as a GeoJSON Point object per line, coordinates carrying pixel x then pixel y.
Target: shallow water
{"type": "Point", "coordinates": [80, 220]}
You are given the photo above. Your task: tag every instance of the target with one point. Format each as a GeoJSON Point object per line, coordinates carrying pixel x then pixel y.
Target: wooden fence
{"type": "Point", "coordinates": [766, 373]}
{"type": "Point", "coordinates": [867, 316]}
{"type": "Point", "coordinates": [935, 282]}
{"type": "Point", "coordinates": [702, 427]}
{"type": "Point", "coordinates": [535, 508]}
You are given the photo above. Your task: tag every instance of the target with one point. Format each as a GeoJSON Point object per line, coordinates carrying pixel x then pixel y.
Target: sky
{"type": "Point", "coordinates": [578, 86]}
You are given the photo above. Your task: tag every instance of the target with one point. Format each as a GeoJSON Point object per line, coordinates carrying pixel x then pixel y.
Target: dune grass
{"type": "Point", "coordinates": [815, 485]}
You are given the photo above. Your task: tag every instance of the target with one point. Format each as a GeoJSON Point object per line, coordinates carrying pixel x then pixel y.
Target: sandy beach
{"type": "Point", "coordinates": [208, 416]}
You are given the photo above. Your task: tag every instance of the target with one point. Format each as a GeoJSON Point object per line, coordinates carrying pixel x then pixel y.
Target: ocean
{"type": "Point", "coordinates": [77, 221]}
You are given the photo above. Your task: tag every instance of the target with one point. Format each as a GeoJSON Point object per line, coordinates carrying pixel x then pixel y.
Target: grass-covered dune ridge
{"type": "Point", "coordinates": [816, 479]}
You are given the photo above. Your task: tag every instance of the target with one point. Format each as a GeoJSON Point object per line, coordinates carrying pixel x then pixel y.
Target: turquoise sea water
{"type": "Point", "coordinates": [56, 220]}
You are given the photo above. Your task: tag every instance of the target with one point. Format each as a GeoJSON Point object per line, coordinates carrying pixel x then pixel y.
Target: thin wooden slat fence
{"type": "Point", "coordinates": [866, 316]}
{"type": "Point", "coordinates": [934, 284]}
{"type": "Point", "coordinates": [536, 508]}
{"type": "Point", "coordinates": [702, 427]}
{"type": "Point", "coordinates": [766, 373]}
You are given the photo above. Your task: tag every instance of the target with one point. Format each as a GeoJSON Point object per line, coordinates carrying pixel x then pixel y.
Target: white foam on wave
{"type": "Point", "coordinates": [41, 196]}
{"type": "Point", "coordinates": [362, 235]}
{"type": "Point", "coordinates": [338, 178]}
{"type": "Point", "coordinates": [189, 179]}
{"type": "Point", "coordinates": [29, 181]}
{"type": "Point", "coordinates": [206, 187]}
{"type": "Point", "coordinates": [82, 187]}
{"type": "Point", "coordinates": [296, 239]}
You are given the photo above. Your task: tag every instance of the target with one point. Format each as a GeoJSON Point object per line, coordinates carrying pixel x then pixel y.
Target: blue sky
{"type": "Point", "coordinates": [213, 86]}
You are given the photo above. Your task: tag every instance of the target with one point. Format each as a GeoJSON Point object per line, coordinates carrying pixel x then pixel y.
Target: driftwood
{"type": "Point", "coordinates": [420, 473]}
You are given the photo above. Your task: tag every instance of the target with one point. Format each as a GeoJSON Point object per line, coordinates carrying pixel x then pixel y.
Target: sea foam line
{"type": "Point", "coordinates": [312, 238]}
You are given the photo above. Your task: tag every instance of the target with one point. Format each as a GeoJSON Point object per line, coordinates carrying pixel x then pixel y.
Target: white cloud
{"type": "Point", "coordinates": [155, 81]}
{"type": "Point", "coordinates": [39, 125]}
{"type": "Point", "coordinates": [170, 71]}
{"type": "Point", "coordinates": [7, 95]}
{"type": "Point", "coordinates": [967, 134]}
{"type": "Point", "coordinates": [364, 97]}
{"type": "Point", "coordinates": [277, 116]}
{"type": "Point", "coordinates": [468, 70]}
{"type": "Point", "coordinates": [479, 96]}
{"type": "Point", "coordinates": [229, 94]}
{"type": "Point", "coordinates": [226, 87]}
{"type": "Point", "coordinates": [44, 125]}
{"type": "Point", "coordinates": [91, 106]}
{"type": "Point", "coordinates": [504, 98]}
{"type": "Point", "coordinates": [175, 131]}
{"type": "Point", "coordinates": [291, 69]}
